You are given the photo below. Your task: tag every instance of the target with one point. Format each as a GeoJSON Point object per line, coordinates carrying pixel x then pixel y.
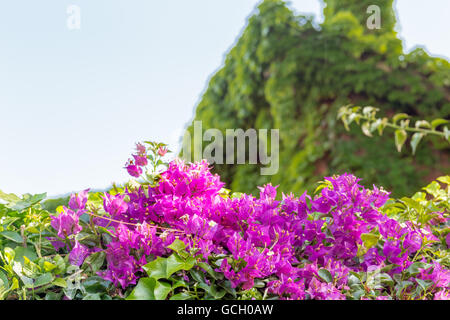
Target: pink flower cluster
{"type": "Point", "coordinates": [134, 167]}
{"type": "Point", "coordinates": [291, 241]}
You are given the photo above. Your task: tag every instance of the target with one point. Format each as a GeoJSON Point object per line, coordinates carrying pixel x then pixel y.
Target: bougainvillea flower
{"type": "Point", "coordinates": [78, 254]}
{"type": "Point", "coordinates": [78, 201]}
{"type": "Point", "coordinates": [134, 170]}
{"type": "Point", "coordinates": [259, 237]}
{"type": "Point", "coordinates": [114, 205]}
{"type": "Point", "coordinates": [162, 151]}
{"type": "Point", "coordinates": [140, 160]}
{"type": "Point", "coordinates": [66, 223]}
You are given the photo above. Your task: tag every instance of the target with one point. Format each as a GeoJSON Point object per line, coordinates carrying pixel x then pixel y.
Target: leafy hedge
{"type": "Point", "coordinates": [174, 232]}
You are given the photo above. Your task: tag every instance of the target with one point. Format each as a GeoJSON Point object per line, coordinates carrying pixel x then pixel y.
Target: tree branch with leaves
{"type": "Point", "coordinates": [366, 117]}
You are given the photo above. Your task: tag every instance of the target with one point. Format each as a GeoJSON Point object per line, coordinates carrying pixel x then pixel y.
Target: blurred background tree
{"type": "Point", "coordinates": [290, 73]}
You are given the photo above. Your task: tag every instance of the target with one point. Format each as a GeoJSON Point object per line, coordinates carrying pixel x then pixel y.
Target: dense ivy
{"type": "Point", "coordinates": [288, 72]}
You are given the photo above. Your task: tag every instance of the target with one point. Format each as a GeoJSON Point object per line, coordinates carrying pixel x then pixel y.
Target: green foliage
{"type": "Point", "coordinates": [285, 72]}
{"type": "Point", "coordinates": [167, 279]}
{"type": "Point", "coordinates": [30, 267]}
{"type": "Point", "coordinates": [400, 122]}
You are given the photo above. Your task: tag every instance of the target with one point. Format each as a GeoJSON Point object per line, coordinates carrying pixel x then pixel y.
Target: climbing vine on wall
{"type": "Point", "coordinates": [288, 72]}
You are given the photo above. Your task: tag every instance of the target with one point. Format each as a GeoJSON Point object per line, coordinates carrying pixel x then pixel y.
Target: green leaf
{"type": "Point", "coordinates": [415, 139]}
{"type": "Point", "coordinates": [94, 262]}
{"type": "Point", "coordinates": [433, 188]}
{"type": "Point", "coordinates": [437, 122]}
{"type": "Point", "coordinates": [53, 295]}
{"type": "Point", "coordinates": [96, 284]}
{"type": "Point", "coordinates": [144, 290]}
{"type": "Point", "coordinates": [4, 280]}
{"type": "Point", "coordinates": [157, 268]}
{"type": "Point", "coordinates": [176, 263]}
{"type": "Point", "coordinates": [181, 296]}
{"type": "Point", "coordinates": [210, 270]}
{"type": "Point", "coordinates": [178, 284]}
{"type": "Point", "coordinates": [366, 129]}
{"type": "Point", "coordinates": [21, 252]}
{"type": "Point", "coordinates": [162, 289]}
{"type": "Point", "coordinates": [92, 296]}
{"type": "Point", "coordinates": [179, 247]}
{"type": "Point", "coordinates": [416, 266]}
{"type": "Point", "coordinates": [236, 195]}
{"type": "Point", "coordinates": [28, 200]}
{"type": "Point", "coordinates": [44, 279]}
{"type": "Point", "coordinates": [400, 138]}
{"type": "Point", "coordinates": [399, 116]}
{"type": "Point", "coordinates": [423, 124]}
{"type": "Point", "coordinates": [150, 289]}
{"type": "Point", "coordinates": [165, 267]}
{"type": "Point", "coordinates": [48, 266]}
{"type": "Point", "coordinates": [444, 179]}
{"type": "Point", "coordinates": [9, 197]}
{"type": "Point", "coordinates": [424, 284]}
{"type": "Point", "coordinates": [11, 235]}
{"type": "Point", "coordinates": [213, 291]}
{"type": "Point", "coordinates": [385, 279]}
{"type": "Point", "coordinates": [325, 275]}
{"type": "Point", "coordinates": [369, 239]}
{"type": "Point", "coordinates": [60, 282]}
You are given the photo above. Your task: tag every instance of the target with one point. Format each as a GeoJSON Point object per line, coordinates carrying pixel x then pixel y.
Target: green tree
{"type": "Point", "coordinates": [290, 73]}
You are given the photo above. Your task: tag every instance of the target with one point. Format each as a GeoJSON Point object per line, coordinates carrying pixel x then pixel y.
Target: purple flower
{"type": "Point", "coordinates": [141, 149]}
{"type": "Point", "coordinates": [114, 205]}
{"type": "Point", "coordinates": [134, 170]}
{"type": "Point", "coordinates": [442, 295]}
{"type": "Point", "coordinates": [140, 160]}
{"type": "Point", "coordinates": [78, 201]}
{"type": "Point", "coordinates": [392, 252]}
{"type": "Point", "coordinates": [66, 223]}
{"type": "Point", "coordinates": [78, 254]}
{"type": "Point", "coordinates": [412, 242]}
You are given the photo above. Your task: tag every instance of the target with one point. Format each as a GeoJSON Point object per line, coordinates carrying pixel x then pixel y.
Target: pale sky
{"type": "Point", "coordinates": [74, 102]}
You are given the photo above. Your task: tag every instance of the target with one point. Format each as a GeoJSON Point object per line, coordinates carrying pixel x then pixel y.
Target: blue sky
{"type": "Point", "coordinates": [74, 102]}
